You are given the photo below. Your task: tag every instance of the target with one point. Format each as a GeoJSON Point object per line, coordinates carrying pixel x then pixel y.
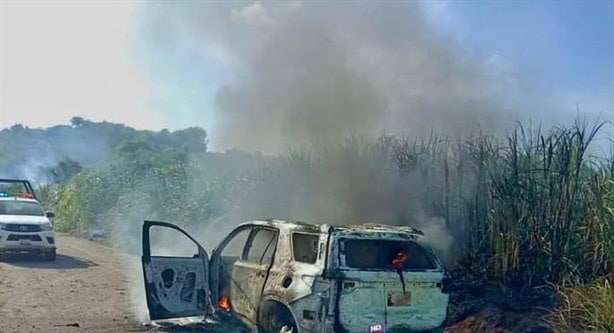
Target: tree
{"type": "Point", "coordinates": [193, 139]}
{"type": "Point", "coordinates": [77, 122]}
{"type": "Point", "coordinates": [17, 128]}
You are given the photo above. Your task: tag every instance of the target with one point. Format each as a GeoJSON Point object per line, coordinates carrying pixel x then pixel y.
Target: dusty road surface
{"type": "Point", "coordinates": [85, 290]}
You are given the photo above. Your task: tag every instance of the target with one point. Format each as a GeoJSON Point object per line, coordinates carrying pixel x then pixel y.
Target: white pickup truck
{"type": "Point", "coordinates": [24, 226]}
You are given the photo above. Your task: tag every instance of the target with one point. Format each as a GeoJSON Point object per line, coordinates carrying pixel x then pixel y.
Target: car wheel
{"type": "Point", "coordinates": [276, 318]}
{"type": "Point", "coordinates": [50, 256]}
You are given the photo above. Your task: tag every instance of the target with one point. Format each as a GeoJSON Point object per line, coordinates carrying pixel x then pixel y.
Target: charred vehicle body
{"type": "Point", "coordinates": [279, 276]}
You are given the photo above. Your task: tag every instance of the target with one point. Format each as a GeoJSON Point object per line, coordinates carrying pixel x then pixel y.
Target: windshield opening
{"type": "Point", "coordinates": [386, 255]}
{"type": "Point", "coordinates": [14, 207]}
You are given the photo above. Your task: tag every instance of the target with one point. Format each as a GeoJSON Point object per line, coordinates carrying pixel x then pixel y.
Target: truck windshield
{"type": "Point", "coordinates": [380, 254]}
{"type": "Point", "coordinates": [14, 207]}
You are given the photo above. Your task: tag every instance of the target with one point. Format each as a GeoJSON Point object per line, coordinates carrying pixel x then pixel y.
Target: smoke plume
{"type": "Point", "coordinates": [313, 73]}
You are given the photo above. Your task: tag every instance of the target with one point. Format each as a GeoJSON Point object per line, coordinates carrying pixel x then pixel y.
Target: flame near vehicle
{"type": "Point", "coordinates": [399, 259]}
{"type": "Point", "coordinates": [224, 303]}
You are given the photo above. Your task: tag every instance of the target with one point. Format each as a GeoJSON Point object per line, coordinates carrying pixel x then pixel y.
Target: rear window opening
{"type": "Point", "coordinates": [379, 254]}
{"type": "Point", "coordinates": [305, 247]}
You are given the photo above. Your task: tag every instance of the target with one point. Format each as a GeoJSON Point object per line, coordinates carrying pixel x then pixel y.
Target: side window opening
{"type": "Point", "coordinates": [166, 242]}
{"type": "Point", "coordinates": [234, 249]}
{"type": "Point", "coordinates": [305, 247]}
{"type": "Point", "coordinates": [261, 246]}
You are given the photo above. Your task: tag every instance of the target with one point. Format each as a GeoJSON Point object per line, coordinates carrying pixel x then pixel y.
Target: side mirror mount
{"type": "Point", "coordinates": [50, 215]}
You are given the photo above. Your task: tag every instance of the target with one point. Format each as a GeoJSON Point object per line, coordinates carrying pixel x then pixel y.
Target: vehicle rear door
{"type": "Point", "coordinates": [389, 284]}
{"type": "Point", "coordinates": [361, 299]}
{"type": "Point", "coordinates": [175, 271]}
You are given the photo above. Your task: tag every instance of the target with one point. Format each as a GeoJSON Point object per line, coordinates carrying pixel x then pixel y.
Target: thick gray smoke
{"type": "Point", "coordinates": [310, 73]}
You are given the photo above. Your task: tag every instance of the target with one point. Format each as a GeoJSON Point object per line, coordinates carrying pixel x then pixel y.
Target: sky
{"type": "Point", "coordinates": [60, 59]}
{"type": "Point", "coordinates": [69, 58]}
{"type": "Point", "coordinates": [567, 45]}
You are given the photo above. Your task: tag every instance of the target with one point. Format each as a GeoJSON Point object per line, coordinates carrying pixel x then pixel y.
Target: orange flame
{"type": "Point", "coordinates": [224, 303]}
{"type": "Point", "coordinates": [399, 259]}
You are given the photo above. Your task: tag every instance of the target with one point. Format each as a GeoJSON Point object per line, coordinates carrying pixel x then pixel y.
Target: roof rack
{"type": "Point", "coordinates": [26, 185]}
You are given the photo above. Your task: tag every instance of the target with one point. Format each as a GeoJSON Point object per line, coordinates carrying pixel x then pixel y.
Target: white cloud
{"type": "Point", "coordinates": [253, 14]}
{"type": "Point", "coordinates": [61, 59]}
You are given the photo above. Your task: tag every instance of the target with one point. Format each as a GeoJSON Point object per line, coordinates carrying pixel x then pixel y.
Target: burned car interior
{"type": "Point", "coordinates": [385, 254]}
{"type": "Point", "coordinates": [230, 253]}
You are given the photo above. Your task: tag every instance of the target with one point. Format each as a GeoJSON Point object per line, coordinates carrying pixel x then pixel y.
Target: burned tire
{"type": "Point", "coordinates": [276, 318]}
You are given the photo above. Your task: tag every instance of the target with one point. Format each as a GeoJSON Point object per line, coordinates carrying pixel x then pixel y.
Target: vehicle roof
{"type": "Point", "coordinates": [18, 199]}
{"type": "Point", "coordinates": [374, 227]}
{"type": "Point", "coordinates": [355, 228]}
{"type": "Point", "coordinates": [291, 225]}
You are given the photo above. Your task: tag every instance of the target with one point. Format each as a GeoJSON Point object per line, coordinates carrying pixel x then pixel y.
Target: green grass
{"type": "Point", "coordinates": [585, 307]}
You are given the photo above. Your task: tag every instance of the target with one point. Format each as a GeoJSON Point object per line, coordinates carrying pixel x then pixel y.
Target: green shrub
{"type": "Point", "coordinates": [584, 307]}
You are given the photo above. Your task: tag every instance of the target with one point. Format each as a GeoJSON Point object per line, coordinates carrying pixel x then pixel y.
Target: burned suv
{"type": "Point", "coordinates": [280, 276]}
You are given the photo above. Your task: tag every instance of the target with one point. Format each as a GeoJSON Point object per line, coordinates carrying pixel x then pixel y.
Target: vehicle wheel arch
{"type": "Point", "coordinates": [275, 300]}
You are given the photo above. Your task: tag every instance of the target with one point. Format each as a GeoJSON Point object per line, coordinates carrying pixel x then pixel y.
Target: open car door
{"type": "Point", "coordinates": [175, 285]}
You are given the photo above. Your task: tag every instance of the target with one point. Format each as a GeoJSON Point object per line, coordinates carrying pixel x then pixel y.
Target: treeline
{"type": "Point", "coordinates": [54, 154]}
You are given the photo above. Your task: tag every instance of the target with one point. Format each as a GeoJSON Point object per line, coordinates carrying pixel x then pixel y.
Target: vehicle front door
{"type": "Point", "coordinates": [251, 271]}
{"type": "Point", "coordinates": [222, 265]}
{"type": "Point", "coordinates": [175, 271]}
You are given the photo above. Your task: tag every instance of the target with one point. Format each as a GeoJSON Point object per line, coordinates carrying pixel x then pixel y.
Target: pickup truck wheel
{"type": "Point", "coordinates": [276, 318]}
{"type": "Point", "coordinates": [50, 256]}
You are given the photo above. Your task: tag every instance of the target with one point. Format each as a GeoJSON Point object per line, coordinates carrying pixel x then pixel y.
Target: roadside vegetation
{"type": "Point", "coordinates": [584, 307]}
{"type": "Point", "coordinates": [528, 211]}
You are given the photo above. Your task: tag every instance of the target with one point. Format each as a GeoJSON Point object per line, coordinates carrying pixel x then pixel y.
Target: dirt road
{"type": "Point", "coordinates": [87, 289]}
